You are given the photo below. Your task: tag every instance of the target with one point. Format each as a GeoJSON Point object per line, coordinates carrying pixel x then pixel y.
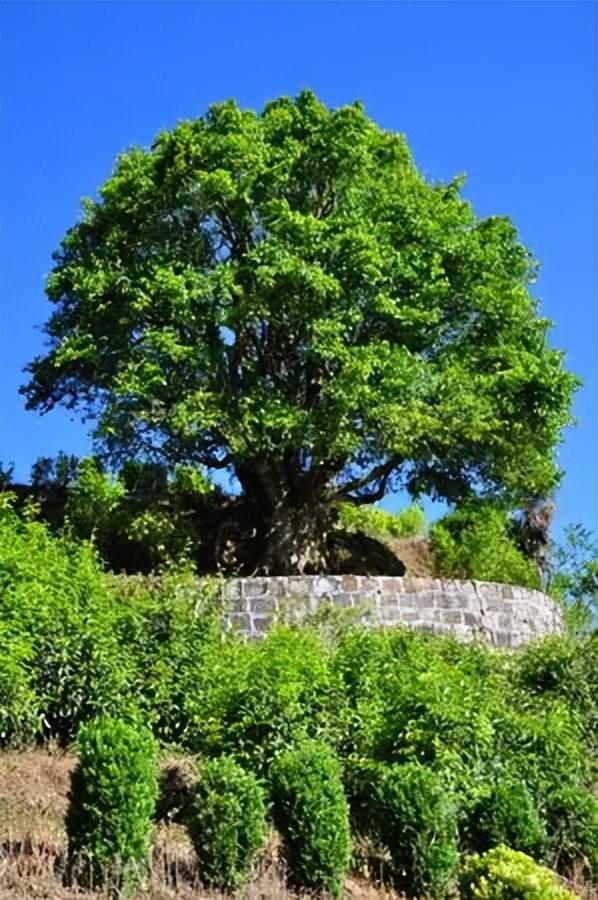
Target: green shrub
{"type": "Point", "coordinates": [505, 874]}
{"type": "Point", "coordinates": [18, 700]}
{"type": "Point", "coordinates": [312, 815]}
{"type": "Point", "coordinates": [171, 631]}
{"type": "Point", "coordinates": [408, 810]}
{"type": "Point", "coordinates": [380, 524]}
{"type": "Point", "coordinates": [145, 518]}
{"type": "Point", "coordinates": [111, 803]}
{"type": "Point", "coordinates": [256, 698]}
{"type": "Point", "coordinates": [227, 822]}
{"type": "Point", "coordinates": [562, 667]}
{"type": "Point", "coordinates": [59, 616]}
{"type": "Point", "coordinates": [508, 815]}
{"type": "Point", "coordinates": [475, 543]}
{"type": "Point", "coordinates": [572, 817]}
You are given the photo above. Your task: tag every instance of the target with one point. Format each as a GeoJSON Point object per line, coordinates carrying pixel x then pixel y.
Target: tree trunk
{"type": "Point", "coordinates": [292, 516]}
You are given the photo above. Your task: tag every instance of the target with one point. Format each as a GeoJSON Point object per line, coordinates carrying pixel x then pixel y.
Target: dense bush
{"type": "Point", "coordinates": [572, 814]}
{"type": "Point", "coordinates": [566, 668]}
{"type": "Point", "coordinates": [380, 524]}
{"type": "Point", "coordinates": [508, 815]}
{"type": "Point", "coordinates": [61, 621]}
{"type": "Point", "coordinates": [407, 809]}
{"type": "Point", "coordinates": [254, 699]}
{"type": "Point", "coordinates": [476, 543]}
{"type": "Point", "coordinates": [141, 519]}
{"type": "Point", "coordinates": [505, 874]}
{"type": "Point", "coordinates": [170, 630]}
{"type": "Point", "coordinates": [311, 812]}
{"type": "Point", "coordinates": [227, 822]}
{"type": "Point", "coordinates": [111, 803]}
{"type": "Point", "coordinates": [18, 701]}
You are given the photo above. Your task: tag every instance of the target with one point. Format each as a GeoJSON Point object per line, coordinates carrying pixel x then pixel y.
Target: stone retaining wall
{"type": "Point", "coordinates": [503, 615]}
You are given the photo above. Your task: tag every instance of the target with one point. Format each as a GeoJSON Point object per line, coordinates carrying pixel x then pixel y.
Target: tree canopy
{"type": "Point", "coordinates": [283, 295]}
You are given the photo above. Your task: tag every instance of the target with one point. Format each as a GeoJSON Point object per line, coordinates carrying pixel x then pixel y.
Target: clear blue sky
{"type": "Point", "coordinates": [504, 91]}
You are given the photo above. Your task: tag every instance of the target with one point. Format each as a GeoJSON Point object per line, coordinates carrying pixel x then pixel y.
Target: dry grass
{"type": "Point", "coordinates": [415, 553]}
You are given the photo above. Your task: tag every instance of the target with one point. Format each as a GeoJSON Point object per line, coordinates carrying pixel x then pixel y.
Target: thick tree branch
{"type": "Point", "coordinates": [382, 471]}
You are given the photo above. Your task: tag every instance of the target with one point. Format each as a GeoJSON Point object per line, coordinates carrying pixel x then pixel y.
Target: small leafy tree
{"type": "Point", "coordinates": [282, 295]}
{"type": "Point", "coordinates": [509, 815]}
{"type": "Point", "coordinates": [408, 809]}
{"type": "Point", "coordinates": [474, 542]}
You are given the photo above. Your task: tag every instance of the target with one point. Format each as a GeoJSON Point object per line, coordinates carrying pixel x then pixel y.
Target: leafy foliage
{"type": "Point", "coordinates": [474, 542]}
{"type": "Point", "coordinates": [142, 519]}
{"type": "Point", "coordinates": [311, 812]}
{"type": "Point", "coordinates": [227, 822]}
{"type": "Point", "coordinates": [111, 803]}
{"type": "Point", "coordinates": [378, 523]}
{"type": "Point", "coordinates": [283, 295]}
{"type": "Point", "coordinates": [573, 575]}
{"type": "Point", "coordinates": [407, 809]}
{"type": "Point", "coordinates": [509, 815]}
{"type": "Point", "coordinates": [60, 625]}
{"type": "Point", "coordinates": [572, 813]}
{"type": "Point", "coordinates": [565, 668]}
{"type": "Point", "coordinates": [505, 874]}
{"type": "Point", "coordinates": [263, 697]}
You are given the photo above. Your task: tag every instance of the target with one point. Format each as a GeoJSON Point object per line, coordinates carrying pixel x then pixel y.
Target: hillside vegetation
{"type": "Point", "coordinates": [426, 749]}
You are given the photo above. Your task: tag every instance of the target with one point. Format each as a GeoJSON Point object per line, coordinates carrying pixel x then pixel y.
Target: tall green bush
{"type": "Point", "coordinates": [171, 630]}
{"type": "Point", "coordinates": [508, 815]}
{"type": "Point", "coordinates": [312, 814]}
{"type": "Point", "coordinates": [254, 699]}
{"type": "Point", "coordinates": [111, 804]}
{"type": "Point", "coordinates": [18, 700]}
{"type": "Point", "coordinates": [408, 810]}
{"type": "Point", "coordinates": [572, 816]}
{"type": "Point", "coordinates": [566, 668]}
{"type": "Point", "coordinates": [227, 822]}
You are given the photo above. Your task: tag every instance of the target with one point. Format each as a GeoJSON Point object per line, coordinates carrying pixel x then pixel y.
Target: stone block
{"type": "Point", "coordinates": [261, 623]}
{"type": "Point", "coordinates": [325, 586]}
{"type": "Point", "coordinates": [266, 604]}
{"type": "Point", "coordinates": [391, 586]}
{"type": "Point", "coordinates": [408, 616]}
{"type": "Point", "coordinates": [240, 622]}
{"type": "Point", "coordinates": [367, 583]}
{"type": "Point", "coordinates": [452, 617]}
{"type": "Point", "coordinates": [349, 583]}
{"type": "Point", "coordinates": [442, 601]}
{"type": "Point", "coordinates": [255, 587]}
{"type": "Point", "coordinates": [391, 617]}
{"type": "Point", "coordinates": [232, 590]}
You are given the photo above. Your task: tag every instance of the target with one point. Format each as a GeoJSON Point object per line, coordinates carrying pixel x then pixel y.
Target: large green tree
{"type": "Point", "coordinates": [284, 296]}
